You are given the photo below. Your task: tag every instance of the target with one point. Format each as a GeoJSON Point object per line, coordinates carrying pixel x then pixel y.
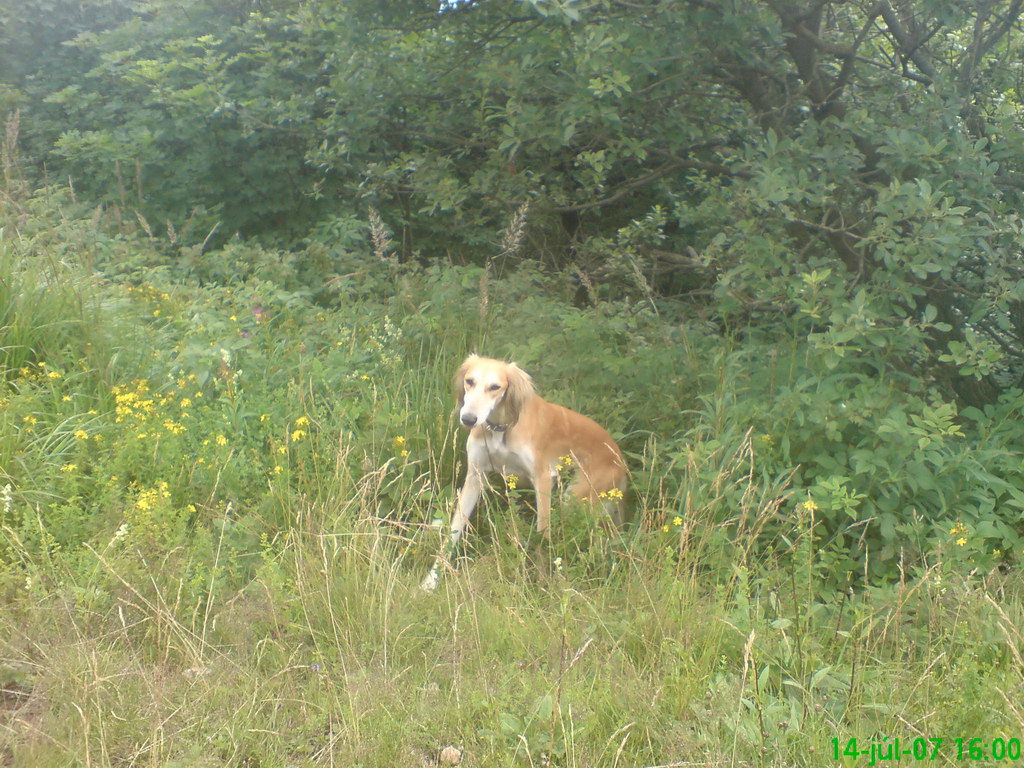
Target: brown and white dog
{"type": "Point", "coordinates": [513, 431]}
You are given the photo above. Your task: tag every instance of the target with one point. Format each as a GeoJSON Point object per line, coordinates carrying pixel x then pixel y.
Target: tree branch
{"type": "Point", "coordinates": [908, 47]}
{"type": "Point", "coordinates": [674, 163]}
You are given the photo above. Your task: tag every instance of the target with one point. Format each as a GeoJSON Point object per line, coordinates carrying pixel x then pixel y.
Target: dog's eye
{"type": "Point", "coordinates": [469, 383]}
{"type": "Point", "coordinates": [494, 387]}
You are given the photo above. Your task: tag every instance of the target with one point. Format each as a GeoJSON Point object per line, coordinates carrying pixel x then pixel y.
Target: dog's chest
{"type": "Point", "coordinates": [491, 452]}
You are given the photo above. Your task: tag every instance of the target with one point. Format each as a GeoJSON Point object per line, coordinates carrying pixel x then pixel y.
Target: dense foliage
{"type": "Point", "coordinates": [825, 196]}
{"type": "Point", "coordinates": [773, 245]}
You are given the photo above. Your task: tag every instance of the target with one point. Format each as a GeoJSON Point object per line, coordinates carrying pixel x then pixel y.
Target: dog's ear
{"type": "Point", "coordinates": [459, 382]}
{"type": "Point", "coordinates": [520, 389]}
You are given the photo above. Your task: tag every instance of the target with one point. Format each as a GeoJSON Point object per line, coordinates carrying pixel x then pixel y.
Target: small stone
{"type": "Point", "coordinates": [450, 756]}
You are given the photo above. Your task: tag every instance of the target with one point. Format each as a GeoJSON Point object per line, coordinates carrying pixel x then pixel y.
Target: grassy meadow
{"type": "Point", "coordinates": [218, 485]}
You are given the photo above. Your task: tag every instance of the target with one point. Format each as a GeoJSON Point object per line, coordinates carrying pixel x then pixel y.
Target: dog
{"type": "Point", "coordinates": [514, 431]}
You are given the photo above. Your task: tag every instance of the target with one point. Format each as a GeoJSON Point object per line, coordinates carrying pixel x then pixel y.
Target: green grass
{"type": "Point", "coordinates": [216, 519]}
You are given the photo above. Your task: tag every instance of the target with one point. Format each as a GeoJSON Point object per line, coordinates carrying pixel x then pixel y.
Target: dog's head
{"type": "Point", "coordinates": [491, 391]}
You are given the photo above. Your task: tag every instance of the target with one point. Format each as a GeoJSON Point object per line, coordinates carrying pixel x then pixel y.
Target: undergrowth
{"type": "Point", "coordinates": [217, 500]}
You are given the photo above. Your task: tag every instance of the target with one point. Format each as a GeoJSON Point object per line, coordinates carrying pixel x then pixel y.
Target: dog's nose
{"type": "Point", "coordinates": [469, 419]}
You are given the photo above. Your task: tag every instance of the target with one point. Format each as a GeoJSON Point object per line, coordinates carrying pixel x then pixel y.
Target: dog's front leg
{"type": "Point", "coordinates": [468, 498]}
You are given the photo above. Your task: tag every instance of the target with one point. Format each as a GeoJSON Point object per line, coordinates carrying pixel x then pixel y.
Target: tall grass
{"type": "Point", "coordinates": [244, 593]}
{"type": "Point", "coordinates": [330, 654]}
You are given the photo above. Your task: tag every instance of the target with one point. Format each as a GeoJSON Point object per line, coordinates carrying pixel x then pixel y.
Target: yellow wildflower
{"type": "Point", "coordinates": [512, 482]}
{"type": "Point", "coordinates": [961, 541]}
{"type": "Point", "coordinates": [809, 506]}
{"type": "Point", "coordinates": [221, 440]}
{"type": "Point", "coordinates": [69, 468]}
{"type": "Point", "coordinates": [398, 442]}
{"type": "Point", "coordinates": [278, 469]}
{"type": "Point", "coordinates": [263, 417]}
{"type": "Point", "coordinates": [81, 434]}
{"type": "Point", "coordinates": [185, 402]}
{"type": "Point", "coordinates": [65, 399]}
{"type": "Point", "coordinates": [282, 449]}
{"type": "Point", "coordinates": [302, 421]}
{"type": "Point", "coordinates": [297, 435]}
{"type": "Point", "coordinates": [664, 529]}
{"type": "Point", "coordinates": [404, 453]}
{"type": "Point", "coordinates": [677, 521]}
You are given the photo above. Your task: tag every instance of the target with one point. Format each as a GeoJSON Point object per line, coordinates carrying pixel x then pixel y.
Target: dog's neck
{"type": "Point", "coordinates": [500, 419]}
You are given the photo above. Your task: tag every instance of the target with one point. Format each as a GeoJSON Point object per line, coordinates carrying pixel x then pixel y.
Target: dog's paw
{"type": "Point", "coordinates": [429, 583]}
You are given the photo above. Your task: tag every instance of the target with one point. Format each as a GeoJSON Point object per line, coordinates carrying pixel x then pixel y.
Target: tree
{"type": "Point", "coordinates": [870, 143]}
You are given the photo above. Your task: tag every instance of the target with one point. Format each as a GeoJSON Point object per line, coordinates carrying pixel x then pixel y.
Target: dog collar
{"type": "Point", "coordinates": [495, 427]}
